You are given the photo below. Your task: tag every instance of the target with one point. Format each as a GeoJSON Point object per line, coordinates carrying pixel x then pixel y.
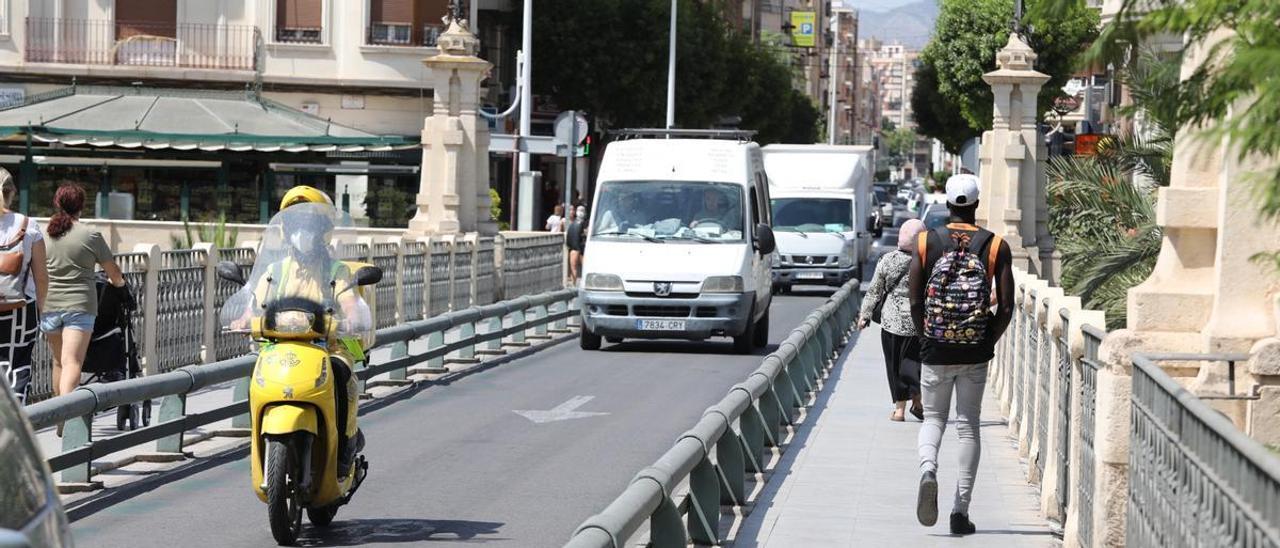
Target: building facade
{"type": "Point", "coordinates": [355, 63]}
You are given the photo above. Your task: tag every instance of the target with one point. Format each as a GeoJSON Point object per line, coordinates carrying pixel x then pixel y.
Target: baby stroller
{"type": "Point", "coordinates": [113, 352]}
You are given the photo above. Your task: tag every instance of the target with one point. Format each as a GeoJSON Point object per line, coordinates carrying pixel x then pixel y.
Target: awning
{"type": "Point", "coordinates": [204, 120]}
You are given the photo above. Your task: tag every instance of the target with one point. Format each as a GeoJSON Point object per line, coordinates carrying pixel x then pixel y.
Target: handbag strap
{"type": "Point", "coordinates": [22, 233]}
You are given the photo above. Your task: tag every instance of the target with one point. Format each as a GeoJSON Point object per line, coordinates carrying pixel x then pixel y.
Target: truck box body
{"type": "Point", "coordinates": [821, 212]}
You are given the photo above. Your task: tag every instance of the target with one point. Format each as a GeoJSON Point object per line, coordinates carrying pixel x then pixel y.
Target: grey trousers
{"type": "Point", "coordinates": [937, 382]}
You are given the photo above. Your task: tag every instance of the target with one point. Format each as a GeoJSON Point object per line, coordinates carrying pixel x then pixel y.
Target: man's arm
{"type": "Point", "coordinates": [1004, 291]}
{"type": "Point", "coordinates": [916, 283]}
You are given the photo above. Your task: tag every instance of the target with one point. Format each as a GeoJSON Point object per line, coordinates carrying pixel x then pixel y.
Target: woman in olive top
{"type": "Point", "coordinates": [67, 316]}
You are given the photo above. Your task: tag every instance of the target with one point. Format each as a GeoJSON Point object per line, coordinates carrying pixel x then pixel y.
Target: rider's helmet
{"type": "Point", "coordinates": [303, 194]}
{"type": "Point", "coordinates": [307, 230]}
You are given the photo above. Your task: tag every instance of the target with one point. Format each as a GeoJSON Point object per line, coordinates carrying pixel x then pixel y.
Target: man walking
{"type": "Point", "coordinates": [953, 273]}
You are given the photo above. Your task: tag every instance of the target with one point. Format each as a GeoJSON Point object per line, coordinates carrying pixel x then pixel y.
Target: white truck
{"type": "Point", "coordinates": [822, 216]}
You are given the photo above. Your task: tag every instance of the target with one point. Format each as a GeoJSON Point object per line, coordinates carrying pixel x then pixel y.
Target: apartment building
{"type": "Point", "coordinates": [867, 111]}
{"type": "Point", "coordinates": [894, 65]}
{"type": "Point", "coordinates": [847, 78]}
{"type": "Point", "coordinates": [353, 64]}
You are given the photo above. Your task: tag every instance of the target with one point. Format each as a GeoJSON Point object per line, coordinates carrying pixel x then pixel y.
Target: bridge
{"type": "Point", "coordinates": [486, 423]}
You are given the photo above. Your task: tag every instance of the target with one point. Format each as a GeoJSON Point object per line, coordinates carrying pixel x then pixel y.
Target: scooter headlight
{"type": "Point", "coordinates": [293, 322]}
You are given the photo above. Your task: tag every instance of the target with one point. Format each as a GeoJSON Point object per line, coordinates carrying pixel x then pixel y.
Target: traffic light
{"type": "Point", "coordinates": [586, 147]}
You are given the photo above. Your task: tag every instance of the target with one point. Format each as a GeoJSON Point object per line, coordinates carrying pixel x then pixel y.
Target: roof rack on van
{"type": "Point", "coordinates": [634, 133]}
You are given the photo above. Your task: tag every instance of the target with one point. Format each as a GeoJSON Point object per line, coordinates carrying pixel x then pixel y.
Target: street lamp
{"type": "Point", "coordinates": [671, 70]}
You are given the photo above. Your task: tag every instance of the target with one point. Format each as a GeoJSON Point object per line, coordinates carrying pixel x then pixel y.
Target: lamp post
{"type": "Point", "coordinates": [671, 70]}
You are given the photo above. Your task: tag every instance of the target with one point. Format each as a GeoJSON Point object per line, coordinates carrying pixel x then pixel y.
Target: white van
{"type": "Point", "coordinates": [679, 244]}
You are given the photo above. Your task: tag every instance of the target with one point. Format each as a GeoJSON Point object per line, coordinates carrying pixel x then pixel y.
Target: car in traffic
{"type": "Point", "coordinates": [681, 244]}
{"type": "Point", "coordinates": [32, 513]}
{"type": "Point", "coordinates": [884, 206]}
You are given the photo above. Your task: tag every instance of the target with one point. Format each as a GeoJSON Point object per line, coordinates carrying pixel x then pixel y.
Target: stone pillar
{"type": "Point", "coordinates": [1012, 154]}
{"type": "Point", "coordinates": [454, 187]}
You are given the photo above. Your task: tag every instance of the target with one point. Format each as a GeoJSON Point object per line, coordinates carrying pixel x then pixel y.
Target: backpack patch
{"type": "Point", "coordinates": [958, 293]}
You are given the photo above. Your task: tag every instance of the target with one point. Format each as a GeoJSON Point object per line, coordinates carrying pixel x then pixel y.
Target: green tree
{"type": "Point", "coordinates": [609, 58]}
{"type": "Point", "coordinates": [1102, 207]}
{"type": "Point", "coordinates": [901, 143]}
{"type": "Point", "coordinates": [933, 116]}
{"type": "Point", "coordinates": [1234, 93]}
{"type": "Point", "coordinates": [966, 37]}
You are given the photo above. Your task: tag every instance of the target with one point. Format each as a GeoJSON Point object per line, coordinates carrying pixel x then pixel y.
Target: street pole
{"type": "Point", "coordinates": [831, 79]}
{"type": "Point", "coordinates": [671, 70]}
{"type": "Point", "coordinates": [524, 201]}
{"type": "Point", "coordinates": [568, 168]}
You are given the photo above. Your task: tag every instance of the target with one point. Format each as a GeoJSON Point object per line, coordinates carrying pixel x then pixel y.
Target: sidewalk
{"type": "Point", "coordinates": [850, 475]}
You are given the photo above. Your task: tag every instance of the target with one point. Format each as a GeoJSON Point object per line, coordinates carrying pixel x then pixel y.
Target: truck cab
{"type": "Point", "coordinates": [822, 213]}
{"type": "Point", "coordinates": [679, 243]}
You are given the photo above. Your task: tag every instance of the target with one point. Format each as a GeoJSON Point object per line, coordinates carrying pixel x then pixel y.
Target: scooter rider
{"type": "Point", "coordinates": [308, 261]}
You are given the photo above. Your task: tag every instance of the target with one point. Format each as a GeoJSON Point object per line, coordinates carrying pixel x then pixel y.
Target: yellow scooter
{"type": "Point", "coordinates": [292, 406]}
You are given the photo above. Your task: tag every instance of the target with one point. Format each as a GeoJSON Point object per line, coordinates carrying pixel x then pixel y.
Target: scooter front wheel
{"type": "Point", "coordinates": [284, 502]}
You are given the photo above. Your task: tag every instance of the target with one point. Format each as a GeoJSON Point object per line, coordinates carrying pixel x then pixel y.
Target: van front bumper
{"type": "Point", "coordinates": [817, 276]}
{"type": "Point", "coordinates": [616, 314]}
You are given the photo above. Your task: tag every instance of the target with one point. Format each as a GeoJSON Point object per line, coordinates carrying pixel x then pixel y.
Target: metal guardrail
{"type": "Point", "coordinates": [78, 408]}
{"type": "Point", "coordinates": [1194, 478]}
{"type": "Point", "coordinates": [1089, 366]}
{"type": "Point", "coordinates": [734, 431]}
{"type": "Point", "coordinates": [1044, 376]}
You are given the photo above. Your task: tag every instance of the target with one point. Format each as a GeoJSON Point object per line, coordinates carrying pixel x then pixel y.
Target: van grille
{"type": "Point", "coordinates": [616, 310]}
{"type": "Point", "coordinates": [662, 311]}
{"type": "Point", "coordinates": [705, 312]}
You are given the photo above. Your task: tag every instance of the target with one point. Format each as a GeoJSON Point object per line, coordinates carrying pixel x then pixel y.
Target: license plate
{"type": "Point", "coordinates": [660, 325]}
{"type": "Point", "coordinates": [808, 275]}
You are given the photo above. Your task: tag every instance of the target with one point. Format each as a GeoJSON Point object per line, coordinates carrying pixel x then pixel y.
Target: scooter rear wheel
{"type": "Point", "coordinates": [284, 504]}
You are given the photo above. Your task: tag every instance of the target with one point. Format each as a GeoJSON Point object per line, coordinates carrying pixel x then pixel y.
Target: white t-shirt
{"type": "Point", "coordinates": [8, 229]}
{"type": "Point", "coordinates": [555, 223]}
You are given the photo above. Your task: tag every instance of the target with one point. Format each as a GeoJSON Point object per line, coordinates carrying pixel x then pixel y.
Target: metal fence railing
{"type": "Point", "coordinates": [175, 322]}
{"type": "Point", "coordinates": [1044, 376]}
{"type": "Point", "coordinates": [1089, 366]}
{"type": "Point", "coordinates": [1194, 478]}
{"type": "Point", "coordinates": [139, 43]}
{"type": "Point", "coordinates": [728, 444]}
{"type": "Point", "coordinates": [1062, 416]}
{"type": "Point", "coordinates": [76, 410]}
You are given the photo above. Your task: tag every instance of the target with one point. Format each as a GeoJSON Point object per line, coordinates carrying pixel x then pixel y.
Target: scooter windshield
{"type": "Point", "coordinates": [297, 282]}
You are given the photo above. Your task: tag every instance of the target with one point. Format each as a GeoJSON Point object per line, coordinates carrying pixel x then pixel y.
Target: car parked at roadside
{"type": "Point", "coordinates": [31, 513]}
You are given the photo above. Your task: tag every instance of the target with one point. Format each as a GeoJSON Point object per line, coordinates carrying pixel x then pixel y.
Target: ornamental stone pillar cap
{"type": "Point", "coordinates": [1014, 64]}
{"type": "Point", "coordinates": [457, 40]}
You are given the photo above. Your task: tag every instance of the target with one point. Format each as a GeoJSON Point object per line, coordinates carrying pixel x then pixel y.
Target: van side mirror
{"type": "Point", "coordinates": [230, 272]}
{"type": "Point", "coordinates": [368, 275]}
{"type": "Point", "coordinates": [765, 243]}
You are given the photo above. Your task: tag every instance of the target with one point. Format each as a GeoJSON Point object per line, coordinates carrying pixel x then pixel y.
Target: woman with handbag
{"type": "Point", "coordinates": [887, 303]}
{"type": "Point", "coordinates": [24, 283]}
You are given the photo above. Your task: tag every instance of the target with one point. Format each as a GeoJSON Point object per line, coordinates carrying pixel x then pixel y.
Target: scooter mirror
{"type": "Point", "coordinates": [230, 272]}
{"type": "Point", "coordinates": [368, 275]}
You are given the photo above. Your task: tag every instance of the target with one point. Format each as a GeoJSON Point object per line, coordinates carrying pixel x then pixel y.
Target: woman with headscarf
{"type": "Point", "coordinates": [887, 302]}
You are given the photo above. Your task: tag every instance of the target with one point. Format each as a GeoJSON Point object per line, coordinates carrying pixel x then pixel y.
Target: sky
{"type": "Point", "coordinates": [875, 5]}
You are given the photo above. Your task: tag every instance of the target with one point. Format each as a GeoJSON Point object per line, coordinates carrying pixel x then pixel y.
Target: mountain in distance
{"type": "Point", "coordinates": [910, 24]}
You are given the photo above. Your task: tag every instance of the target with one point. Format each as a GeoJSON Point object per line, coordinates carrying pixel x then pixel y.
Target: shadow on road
{"type": "Point", "coordinates": [358, 532]}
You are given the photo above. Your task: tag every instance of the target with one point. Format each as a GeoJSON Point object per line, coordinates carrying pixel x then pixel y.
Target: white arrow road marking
{"type": "Point", "coordinates": [562, 412]}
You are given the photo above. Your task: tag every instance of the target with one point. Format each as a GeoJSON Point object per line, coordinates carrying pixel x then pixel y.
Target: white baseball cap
{"type": "Point", "coordinates": [962, 189]}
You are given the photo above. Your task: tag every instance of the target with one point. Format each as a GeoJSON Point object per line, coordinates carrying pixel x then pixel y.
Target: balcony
{"type": "Point", "coordinates": [105, 42]}
{"type": "Point", "coordinates": [391, 34]}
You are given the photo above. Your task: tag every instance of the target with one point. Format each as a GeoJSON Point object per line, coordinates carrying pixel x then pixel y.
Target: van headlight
{"type": "Point", "coordinates": [777, 260]}
{"type": "Point", "coordinates": [722, 284]}
{"type": "Point", "coordinates": [846, 260]}
{"type": "Point", "coordinates": [293, 322]}
{"type": "Point", "coordinates": [602, 282]}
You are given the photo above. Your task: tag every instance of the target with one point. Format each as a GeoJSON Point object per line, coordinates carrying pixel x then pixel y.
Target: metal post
{"type": "Point", "coordinates": [831, 80]}
{"type": "Point", "coordinates": [568, 166]}
{"type": "Point", "coordinates": [184, 201]}
{"type": "Point", "coordinates": [671, 69]}
{"type": "Point", "coordinates": [524, 201]}
{"type": "Point", "coordinates": [264, 196]}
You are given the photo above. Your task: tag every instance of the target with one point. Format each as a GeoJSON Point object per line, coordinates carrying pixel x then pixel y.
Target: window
{"type": "Point", "coordinates": [669, 210]}
{"type": "Point", "coordinates": [405, 22]}
{"type": "Point", "coordinates": [299, 21]}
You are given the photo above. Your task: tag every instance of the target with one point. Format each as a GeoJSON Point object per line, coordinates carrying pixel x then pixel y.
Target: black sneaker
{"type": "Point", "coordinates": [960, 524]}
{"type": "Point", "coordinates": [927, 500]}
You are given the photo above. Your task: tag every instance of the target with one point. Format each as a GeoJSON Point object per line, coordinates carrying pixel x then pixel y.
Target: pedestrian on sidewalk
{"type": "Point", "coordinates": [67, 315]}
{"type": "Point", "coordinates": [888, 303]}
{"type": "Point", "coordinates": [575, 239]}
{"type": "Point", "coordinates": [555, 223]}
{"type": "Point", "coordinates": [24, 284]}
{"type": "Point", "coordinates": [953, 272]}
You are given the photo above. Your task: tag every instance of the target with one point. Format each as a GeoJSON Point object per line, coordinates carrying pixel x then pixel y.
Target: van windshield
{"type": "Point", "coordinates": [812, 215]}
{"type": "Point", "coordinates": [669, 210]}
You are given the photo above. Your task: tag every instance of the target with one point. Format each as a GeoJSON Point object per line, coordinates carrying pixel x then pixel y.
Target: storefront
{"type": "Point", "coordinates": [169, 155]}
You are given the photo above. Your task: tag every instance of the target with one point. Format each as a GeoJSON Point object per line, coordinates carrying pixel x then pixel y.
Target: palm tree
{"type": "Point", "coordinates": [1102, 207]}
